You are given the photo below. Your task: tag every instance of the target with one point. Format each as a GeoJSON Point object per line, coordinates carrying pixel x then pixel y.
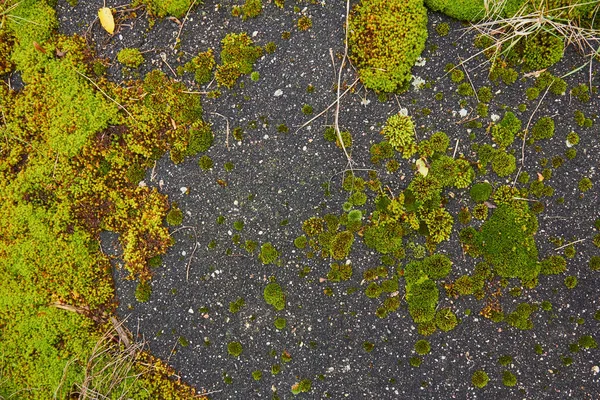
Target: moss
{"type": "Point", "coordinates": [442, 29]}
{"type": "Point", "coordinates": [584, 184]}
{"type": "Point", "coordinates": [457, 75]}
{"type": "Point", "coordinates": [504, 164]}
{"type": "Point", "coordinates": [251, 9]}
{"type": "Point", "coordinates": [504, 132]}
{"type": "Point", "coordinates": [532, 93]}
{"type": "Point", "coordinates": [205, 163]}
{"type": "Point", "coordinates": [234, 349]}
{"type": "Point", "coordinates": [373, 290]}
{"type": "Point", "coordinates": [268, 253]}
{"type": "Point", "coordinates": [506, 241]}
{"type": "Point", "coordinates": [587, 342]}
{"type": "Point", "coordinates": [465, 89]}
{"type": "Point", "coordinates": [175, 215]}
{"type": "Point", "coordinates": [536, 51]}
{"type": "Point", "coordinates": [275, 369]}
{"type": "Point", "coordinates": [385, 39]}
{"type": "Point", "coordinates": [304, 386]}
{"type": "Point", "coordinates": [415, 362]}
{"type": "Point", "coordinates": [557, 85]}
{"type": "Point", "coordinates": [307, 109]}
{"type": "Point", "coordinates": [594, 263]}
{"type": "Point", "coordinates": [280, 323]}
{"type": "Point", "coordinates": [339, 272]}
{"type": "Point", "coordinates": [313, 226]}
{"type": "Point", "coordinates": [131, 58]}
{"type": "Point", "coordinates": [400, 134]}
{"type": "Point", "coordinates": [439, 223]}
{"type": "Point", "coordinates": [445, 319]}
{"type": "Point", "coordinates": [304, 23]}
{"type": "Point", "coordinates": [553, 265]}
{"type": "Point", "coordinates": [341, 245]}
{"type": "Point", "coordinates": [480, 379]}
{"type": "Point", "coordinates": [482, 110]}
{"type": "Point", "coordinates": [485, 94]}
{"type": "Point", "coordinates": [238, 56]}
{"type": "Point", "coordinates": [570, 153]}
{"type": "Point", "coordinates": [520, 318]}
{"type": "Point", "coordinates": [273, 295]}
{"type": "Point", "coordinates": [257, 375]}
{"type": "Point", "coordinates": [161, 8]}
{"type": "Point", "coordinates": [202, 66]}
{"type": "Point", "coordinates": [571, 282]}
{"type": "Point", "coordinates": [505, 360]}
{"type": "Point", "coordinates": [368, 346]}
{"type": "Point", "coordinates": [143, 292]}
{"type": "Point", "coordinates": [480, 211]}
{"type": "Point", "coordinates": [543, 128]}
{"type": "Point", "coordinates": [481, 192]}
{"type": "Point", "coordinates": [236, 306]}
{"type": "Point", "coordinates": [509, 379]}
{"type": "Point", "coordinates": [422, 347]}
{"type": "Point", "coordinates": [300, 242]}
{"type": "Point", "coordinates": [581, 92]}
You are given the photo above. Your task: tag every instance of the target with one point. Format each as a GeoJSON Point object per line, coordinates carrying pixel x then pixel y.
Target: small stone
{"type": "Point", "coordinates": [191, 311]}
{"type": "Point", "coordinates": [278, 93]}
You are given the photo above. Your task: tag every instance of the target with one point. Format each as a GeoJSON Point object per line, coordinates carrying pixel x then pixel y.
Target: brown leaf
{"type": "Point", "coordinates": [39, 47]}
{"type": "Point", "coordinates": [489, 205]}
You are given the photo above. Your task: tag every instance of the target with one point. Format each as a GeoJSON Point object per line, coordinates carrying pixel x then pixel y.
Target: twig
{"type": "Point", "coordinates": [455, 148]}
{"type": "Point", "coordinates": [469, 78]}
{"type": "Point", "coordinates": [183, 23]}
{"type": "Point", "coordinates": [227, 128]}
{"type": "Point", "coordinates": [163, 57]}
{"type": "Point", "coordinates": [327, 108]}
{"type": "Point", "coordinates": [339, 84]}
{"type": "Point", "coordinates": [104, 93]}
{"type": "Point", "coordinates": [189, 263]}
{"type": "Point", "coordinates": [524, 199]}
{"type": "Point", "coordinates": [568, 244]}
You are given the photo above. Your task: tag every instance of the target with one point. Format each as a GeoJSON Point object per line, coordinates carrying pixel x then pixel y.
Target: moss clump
{"type": "Point", "coordinates": [572, 139]}
{"type": "Point", "coordinates": [339, 272]}
{"type": "Point", "coordinates": [234, 349]}
{"type": "Point", "coordinates": [238, 56]}
{"type": "Point", "coordinates": [205, 163]}
{"type": "Point", "coordinates": [341, 245]}
{"type": "Point", "coordinates": [584, 184]}
{"type": "Point", "coordinates": [415, 362]}
{"type": "Point", "coordinates": [587, 342]}
{"type": "Point", "coordinates": [143, 292]}
{"type": "Point", "coordinates": [505, 360]}
{"type": "Point", "coordinates": [300, 242]}
{"type": "Point", "coordinates": [506, 241]}
{"type": "Point", "coordinates": [504, 164]}
{"type": "Point", "coordinates": [268, 253]}
{"type": "Point", "coordinates": [536, 51]}
{"type": "Point", "coordinates": [422, 347]}
{"type": "Point", "coordinates": [201, 66]}
{"type": "Point", "coordinates": [251, 9]}
{"type": "Point", "coordinates": [504, 132]}
{"type": "Point", "coordinates": [304, 23]}
{"type": "Point", "coordinates": [442, 28]}
{"type": "Point", "coordinates": [557, 85]}
{"type": "Point", "coordinates": [280, 323]}
{"type": "Point", "coordinates": [445, 319]}
{"type": "Point", "coordinates": [236, 306]}
{"type": "Point", "coordinates": [594, 263]}
{"type": "Point", "coordinates": [553, 265]}
{"type": "Point", "coordinates": [273, 295]}
{"type": "Point", "coordinates": [571, 282]}
{"type": "Point", "coordinates": [131, 58]}
{"type": "Point", "coordinates": [464, 10]}
{"type": "Point", "coordinates": [257, 375]}
{"type": "Point", "coordinates": [481, 192]}
{"type": "Point", "coordinates": [399, 131]}
{"type": "Point", "coordinates": [162, 8]}
{"type": "Point", "coordinates": [304, 386]}
{"type": "Point", "coordinates": [581, 92]}
{"type": "Point", "coordinates": [508, 378]}
{"type": "Point", "coordinates": [480, 379]}
{"type": "Point", "coordinates": [175, 215]}
{"type": "Point", "coordinates": [520, 318]}
{"type": "Point", "coordinates": [543, 128]}
{"type": "Point", "coordinates": [385, 39]}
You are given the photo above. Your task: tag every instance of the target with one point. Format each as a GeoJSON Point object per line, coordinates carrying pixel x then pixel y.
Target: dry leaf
{"type": "Point", "coordinates": [489, 205]}
{"type": "Point", "coordinates": [39, 47]}
{"type": "Point", "coordinates": [322, 280]}
{"type": "Point", "coordinates": [540, 177]}
{"type": "Point", "coordinates": [422, 167]}
{"type": "Point", "coordinates": [106, 19]}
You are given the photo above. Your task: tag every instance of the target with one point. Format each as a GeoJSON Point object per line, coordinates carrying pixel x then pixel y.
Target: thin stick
{"type": "Point", "coordinates": [455, 148]}
{"type": "Point", "coordinates": [337, 108]}
{"type": "Point", "coordinates": [568, 244]}
{"type": "Point", "coordinates": [327, 108]}
{"type": "Point", "coordinates": [469, 78]}
{"type": "Point", "coordinates": [189, 263]}
{"type": "Point", "coordinates": [104, 93]}
{"type": "Point", "coordinates": [227, 128]}
{"type": "Point", "coordinates": [183, 23]}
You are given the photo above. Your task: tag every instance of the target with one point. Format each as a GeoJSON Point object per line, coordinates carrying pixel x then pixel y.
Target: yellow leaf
{"type": "Point", "coordinates": [106, 19]}
{"type": "Point", "coordinates": [540, 177]}
{"type": "Point", "coordinates": [422, 167]}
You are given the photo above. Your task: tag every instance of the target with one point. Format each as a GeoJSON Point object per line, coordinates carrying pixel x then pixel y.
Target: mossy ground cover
{"type": "Point", "coordinates": [388, 292]}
